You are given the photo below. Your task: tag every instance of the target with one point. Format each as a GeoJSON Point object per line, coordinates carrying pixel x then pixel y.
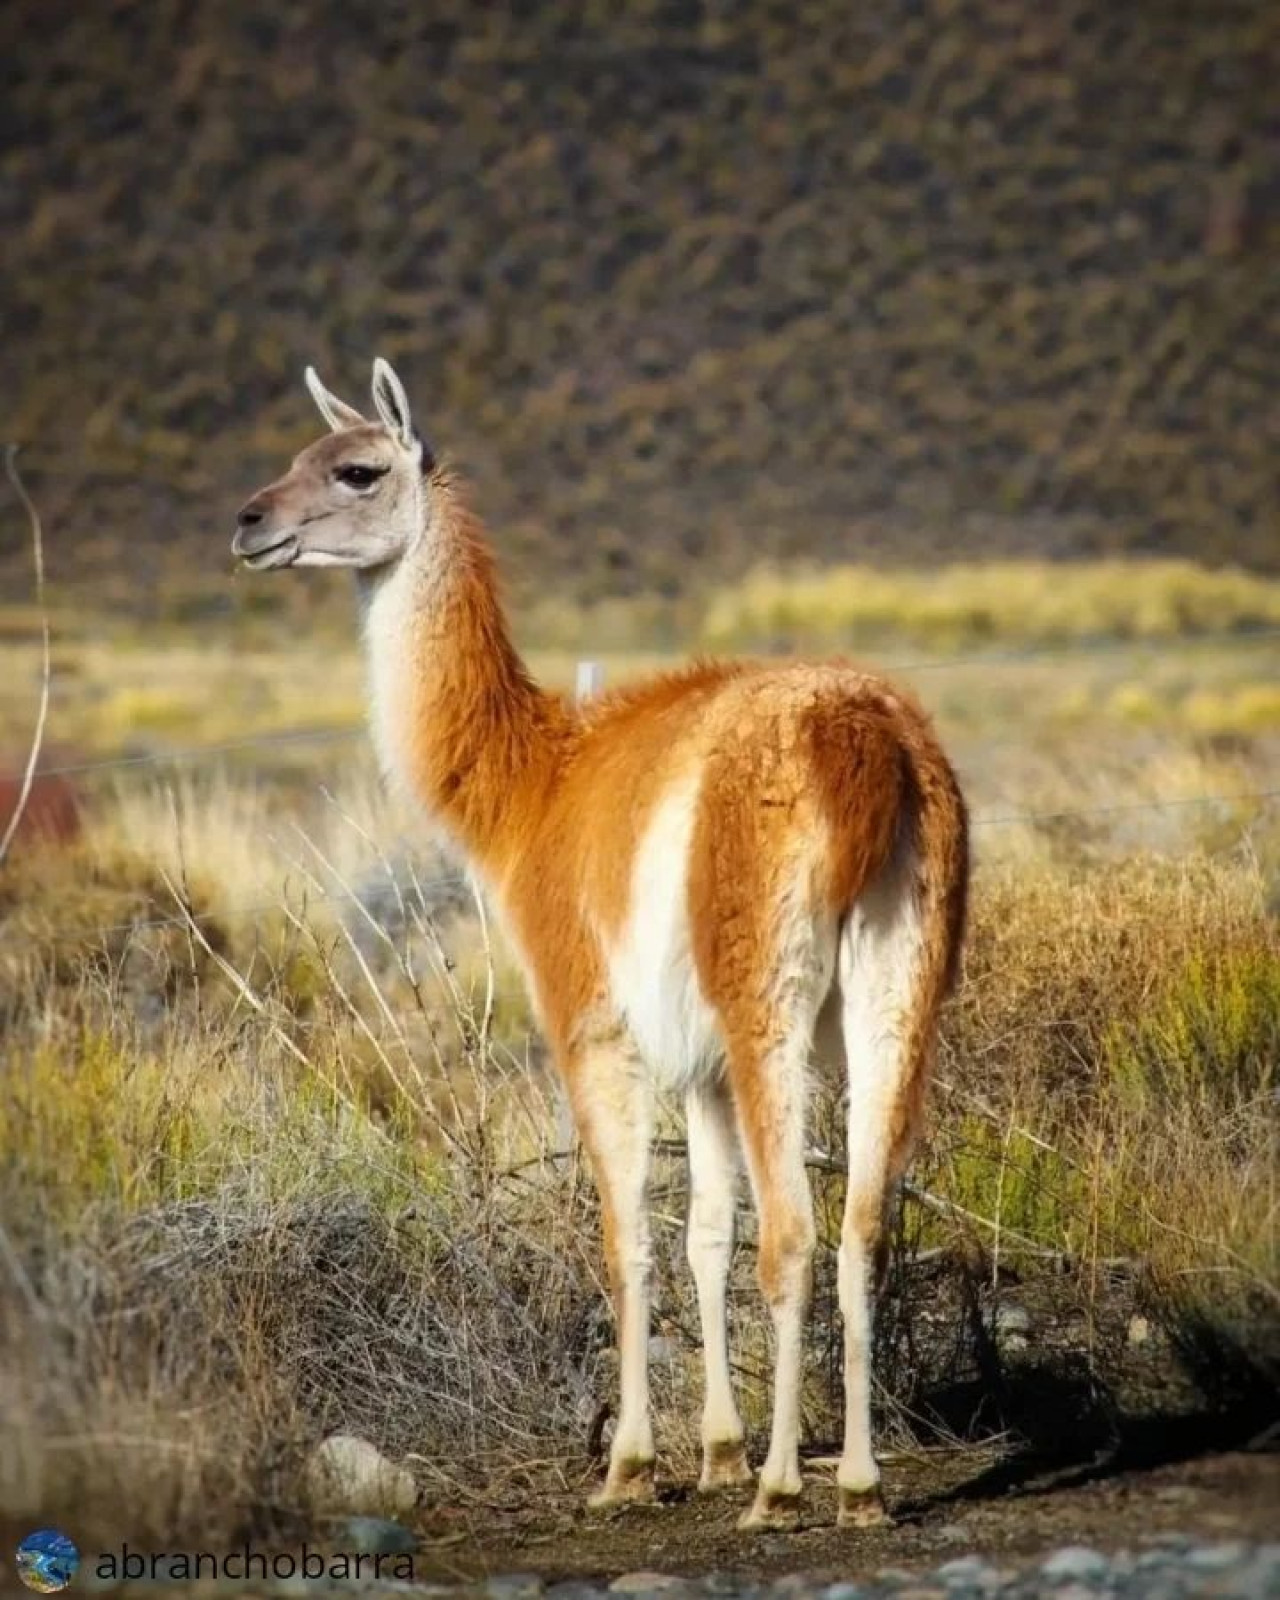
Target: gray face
{"type": "Point", "coordinates": [350, 500]}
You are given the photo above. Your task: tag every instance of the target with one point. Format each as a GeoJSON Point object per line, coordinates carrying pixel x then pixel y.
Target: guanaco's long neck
{"type": "Point", "coordinates": [456, 715]}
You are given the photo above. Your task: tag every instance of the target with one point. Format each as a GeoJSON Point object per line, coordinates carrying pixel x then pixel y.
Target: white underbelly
{"type": "Point", "coordinates": [651, 968]}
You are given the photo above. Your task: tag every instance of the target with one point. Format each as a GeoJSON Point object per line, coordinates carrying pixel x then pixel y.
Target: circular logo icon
{"type": "Point", "coordinates": [47, 1561]}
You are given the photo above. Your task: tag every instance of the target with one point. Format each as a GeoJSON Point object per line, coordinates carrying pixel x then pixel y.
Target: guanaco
{"type": "Point", "coordinates": [708, 878]}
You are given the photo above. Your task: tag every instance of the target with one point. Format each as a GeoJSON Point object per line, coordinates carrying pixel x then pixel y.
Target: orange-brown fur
{"type": "Point", "coordinates": [551, 798]}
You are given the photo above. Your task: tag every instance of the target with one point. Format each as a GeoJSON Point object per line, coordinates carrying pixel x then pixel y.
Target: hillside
{"type": "Point", "coordinates": [682, 285]}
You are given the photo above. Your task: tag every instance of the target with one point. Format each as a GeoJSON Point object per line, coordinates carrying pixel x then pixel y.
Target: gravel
{"type": "Point", "coordinates": [1231, 1570]}
{"type": "Point", "coordinates": [1173, 1570]}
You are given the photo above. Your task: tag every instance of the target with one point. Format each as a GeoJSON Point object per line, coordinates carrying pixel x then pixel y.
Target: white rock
{"type": "Point", "coordinates": [346, 1474]}
{"type": "Point", "coordinates": [513, 1586]}
{"type": "Point", "coordinates": [1215, 1557]}
{"type": "Point", "coordinates": [639, 1582]}
{"type": "Point", "coordinates": [1075, 1561]}
{"type": "Point", "coordinates": [970, 1571]}
{"type": "Point", "coordinates": [1013, 1319]}
{"type": "Point", "coordinates": [1139, 1330]}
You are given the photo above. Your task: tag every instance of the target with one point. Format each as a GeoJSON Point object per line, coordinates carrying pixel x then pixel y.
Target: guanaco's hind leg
{"type": "Point", "coordinates": [613, 1103]}
{"type": "Point", "coordinates": [714, 1164]}
{"type": "Point", "coordinates": [770, 1094]}
{"type": "Point", "coordinates": [877, 972]}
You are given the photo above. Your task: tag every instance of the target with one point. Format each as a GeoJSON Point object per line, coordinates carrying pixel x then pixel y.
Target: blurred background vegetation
{"type": "Point", "coordinates": [684, 286]}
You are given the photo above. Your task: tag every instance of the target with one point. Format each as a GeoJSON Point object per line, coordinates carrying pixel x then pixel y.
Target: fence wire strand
{"type": "Point", "coordinates": [194, 754]}
{"type": "Point", "coordinates": [1261, 797]}
{"type": "Point", "coordinates": [311, 736]}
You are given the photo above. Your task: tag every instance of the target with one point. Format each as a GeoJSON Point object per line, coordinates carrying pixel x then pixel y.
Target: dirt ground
{"type": "Point", "coordinates": [942, 1508]}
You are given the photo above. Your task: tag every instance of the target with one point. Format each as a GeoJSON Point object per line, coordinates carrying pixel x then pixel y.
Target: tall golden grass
{"type": "Point", "coordinates": [280, 1153]}
{"type": "Point", "coordinates": [963, 604]}
{"type": "Point", "coordinates": [279, 666]}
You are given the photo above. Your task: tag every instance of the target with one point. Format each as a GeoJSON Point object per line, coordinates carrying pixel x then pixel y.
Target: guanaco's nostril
{"type": "Point", "coordinates": [249, 516]}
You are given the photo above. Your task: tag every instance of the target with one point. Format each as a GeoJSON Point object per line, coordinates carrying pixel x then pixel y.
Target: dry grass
{"type": "Point", "coordinates": [279, 1152]}
{"type": "Point", "coordinates": [247, 1202]}
{"type": "Point", "coordinates": [963, 605]}
{"type": "Point", "coordinates": [1095, 636]}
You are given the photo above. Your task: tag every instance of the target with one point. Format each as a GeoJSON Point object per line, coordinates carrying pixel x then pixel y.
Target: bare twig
{"type": "Point", "coordinates": [13, 1262]}
{"type": "Point", "coordinates": [238, 982]}
{"type": "Point", "coordinates": [46, 663]}
{"type": "Point", "coordinates": [486, 1019]}
{"type": "Point", "coordinates": [421, 1101]}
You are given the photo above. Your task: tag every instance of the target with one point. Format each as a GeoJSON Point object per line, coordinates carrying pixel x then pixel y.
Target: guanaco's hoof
{"type": "Point", "coordinates": [628, 1483]}
{"type": "Point", "coordinates": [862, 1508]}
{"type": "Point", "coordinates": [773, 1508]}
{"type": "Point", "coordinates": [725, 1466]}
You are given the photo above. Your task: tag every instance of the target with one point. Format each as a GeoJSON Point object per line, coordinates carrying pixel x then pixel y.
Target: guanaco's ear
{"type": "Point", "coordinates": [393, 404]}
{"type": "Point", "coordinates": [337, 413]}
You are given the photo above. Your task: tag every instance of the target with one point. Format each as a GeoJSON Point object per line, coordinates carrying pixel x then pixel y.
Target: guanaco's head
{"type": "Point", "coordinates": [353, 499]}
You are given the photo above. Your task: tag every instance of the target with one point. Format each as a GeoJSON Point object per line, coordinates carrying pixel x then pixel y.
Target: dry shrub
{"type": "Point", "coordinates": [180, 1333]}
{"type": "Point", "coordinates": [1107, 1088]}
{"type": "Point", "coordinates": [266, 1179]}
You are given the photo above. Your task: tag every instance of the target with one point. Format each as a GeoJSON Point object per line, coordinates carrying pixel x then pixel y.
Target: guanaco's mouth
{"type": "Point", "coordinates": [281, 551]}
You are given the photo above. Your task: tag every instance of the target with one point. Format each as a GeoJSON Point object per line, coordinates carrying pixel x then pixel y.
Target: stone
{"type": "Point", "coordinates": [349, 1475]}
{"type": "Point", "coordinates": [1261, 1576]}
{"type": "Point", "coordinates": [968, 1572]}
{"type": "Point", "coordinates": [1074, 1563]}
{"type": "Point", "coordinates": [954, 1533]}
{"type": "Point", "coordinates": [841, 1591]}
{"type": "Point", "coordinates": [1013, 1319]}
{"type": "Point", "coordinates": [644, 1582]}
{"type": "Point", "coordinates": [1139, 1330]}
{"type": "Point", "coordinates": [1166, 1541]}
{"type": "Point", "coordinates": [513, 1586]}
{"type": "Point", "coordinates": [375, 1536]}
{"type": "Point", "coordinates": [1215, 1557]}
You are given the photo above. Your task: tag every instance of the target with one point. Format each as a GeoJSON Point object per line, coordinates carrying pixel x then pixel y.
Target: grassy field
{"type": "Point", "coordinates": [1117, 648]}
{"type": "Point", "coordinates": [280, 1153]}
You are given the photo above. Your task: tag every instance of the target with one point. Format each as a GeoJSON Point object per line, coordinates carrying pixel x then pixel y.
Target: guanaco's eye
{"type": "Point", "coordinates": [356, 477]}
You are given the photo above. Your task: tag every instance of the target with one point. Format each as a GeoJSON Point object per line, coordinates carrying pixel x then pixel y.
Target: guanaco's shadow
{"type": "Point", "coordinates": [1068, 1429]}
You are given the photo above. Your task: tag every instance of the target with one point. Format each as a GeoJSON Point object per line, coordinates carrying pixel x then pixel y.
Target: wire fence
{"type": "Point", "coordinates": [261, 908]}
{"type": "Point", "coordinates": [589, 682]}
{"type": "Point", "coordinates": [1092, 649]}
{"type": "Point", "coordinates": [196, 754]}
{"type": "Point", "coordinates": [999, 820]}
{"type": "Point", "coordinates": [420, 891]}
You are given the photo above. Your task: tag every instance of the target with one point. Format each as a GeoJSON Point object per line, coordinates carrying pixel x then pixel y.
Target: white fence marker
{"type": "Point", "coordinates": [590, 679]}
